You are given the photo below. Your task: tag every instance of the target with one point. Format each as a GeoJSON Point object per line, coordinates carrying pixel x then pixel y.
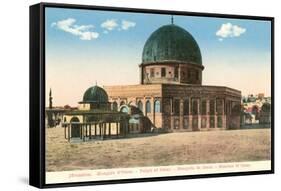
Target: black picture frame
{"type": "Point", "coordinates": [37, 94]}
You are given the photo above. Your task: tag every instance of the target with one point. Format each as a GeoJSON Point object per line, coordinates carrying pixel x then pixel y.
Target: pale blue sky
{"type": "Point", "coordinates": [238, 58]}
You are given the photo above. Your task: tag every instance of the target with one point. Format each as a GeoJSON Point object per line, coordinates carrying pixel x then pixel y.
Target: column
{"type": "Point", "coordinates": [100, 126]}
{"type": "Point", "coordinates": [90, 131]}
{"type": "Point", "coordinates": [227, 113]}
{"type": "Point", "coordinates": [171, 114]}
{"type": "Point", "coordinates": [83, 135]}
{"type": "Point", "coordinates": [104, 130]}
{"type": "Point", "coordinates": [65, 132]}
{"type": "Point", "coordinates": [152, 110]}
{"type": "Point", "coordinates": [68, 128]}
{"type": "Point", "coordinates": [181, 114]}
{"type": "Point", "coordinates": [223, 115]}
{"type": "Point", "coordinates": [190, 114]}
{"type": "Point", "coordinates": [199, 113]}
{"type": "Point", "coordinates": [109, 131]}
{"type": "Point", "coordinates": [86, 125]}
{"type": "Point", "coordinates": [144, 106]}
{"type": "Point", "coordinates": [69, 131]}
{"type": "Point", "coordinates": [101, 130]}
{"type": "Point", "coordinates": [118, 103]}
{"type": "Point", "coordinates": [216, 117]}
{"type": "Point", "coordinates": [81, 131]}
{"type": "Point", "coordinates": [207, 114]}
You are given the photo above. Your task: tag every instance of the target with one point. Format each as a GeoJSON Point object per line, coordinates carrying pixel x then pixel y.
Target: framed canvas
{"type": "Point", "coordinates": [121, 95]}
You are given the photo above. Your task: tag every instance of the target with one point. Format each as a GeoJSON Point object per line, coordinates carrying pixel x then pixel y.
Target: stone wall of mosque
{"type": "Point", "coordinates": [182, 107]}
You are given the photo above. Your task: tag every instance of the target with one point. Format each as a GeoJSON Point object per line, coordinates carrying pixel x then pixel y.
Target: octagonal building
{"type": "Point", "coordinates": [170, 93]}
{"type": "Point", "coordinates": [171, 55]}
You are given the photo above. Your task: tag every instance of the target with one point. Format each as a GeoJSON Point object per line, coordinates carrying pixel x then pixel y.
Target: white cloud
{"type": "Point", "coordinates": [82, 31]}
{"type": "Point", "coordinates": [110, 24]}
{"type": "Point", "coordinates": [127, 24]}
{"type": "Point", "coordinates": [89, 35]}
{"type": "Point", "coordinates": [229, 30]}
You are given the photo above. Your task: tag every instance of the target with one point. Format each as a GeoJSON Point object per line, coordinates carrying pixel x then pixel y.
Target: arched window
{"type": "Point", "coordinates": [195, 107]}
{"type": "Point", "coordinates": [212, 107]}
{"type": "Point", "coordinates": [219, 122]}
{"type": "Point", "coordinates": [219, 106]}
{"type": "Point", "coordinates": [152, 72]}
{"type": "Point", "coordinates": [147, 106]}
{"type": "Point", "coordinates": [186, 107]}
{"type": "Point", "coordinates": [176, 106]}
{"type": "Point", "coordinates": [75, 130]}
{"type": "Point", "coordinates": [176, 71]}
{"type": "Point", "coordinates": [203, 107]}
{"type": "Point", "coordinates": [74, 119]}
{"type": "Point", "coordinates": [122, 103]}
{"type": "Point", "coordinates": [140, 106]}
{"type": "Point", "coordinates": [157, 108]}
{"type": "Point", "coordinates": [163, 72]}
{"type": "Point", "coordinates": [114, 106]}
{"type": "Point", "coordinates": [236, 109]}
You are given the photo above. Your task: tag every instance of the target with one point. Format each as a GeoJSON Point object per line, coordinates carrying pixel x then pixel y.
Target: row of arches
{"type": "Point", "coordinates": [196, 107]}
{"type": "Point", "coordinates": [156, 105]}
{"type": "Point", "coordinates": [140, 105]}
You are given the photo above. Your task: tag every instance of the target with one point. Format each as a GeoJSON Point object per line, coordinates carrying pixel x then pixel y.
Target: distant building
{"type": "Point", "coordinates": [260, 95]}
{"type": "Point", "coordinates": [265, 114]}
{"type": "Point", "coordinates": [254, 106]}
{"type": "Point", "coordinates": [53, 115]}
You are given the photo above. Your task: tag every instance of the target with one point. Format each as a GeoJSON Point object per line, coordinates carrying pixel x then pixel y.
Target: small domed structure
{"type": "Point", "coordinates": [171, 55]}
{"type": "Point", "coordinates": [95, 97]}
{"type": "Point", "coordinates": [95, 94]}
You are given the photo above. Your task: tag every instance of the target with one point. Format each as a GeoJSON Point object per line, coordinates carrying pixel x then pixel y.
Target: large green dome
{"type": "Point", "coordinates": [95, 94]}
{"type": "Point", "coordinates": [171, 43]}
